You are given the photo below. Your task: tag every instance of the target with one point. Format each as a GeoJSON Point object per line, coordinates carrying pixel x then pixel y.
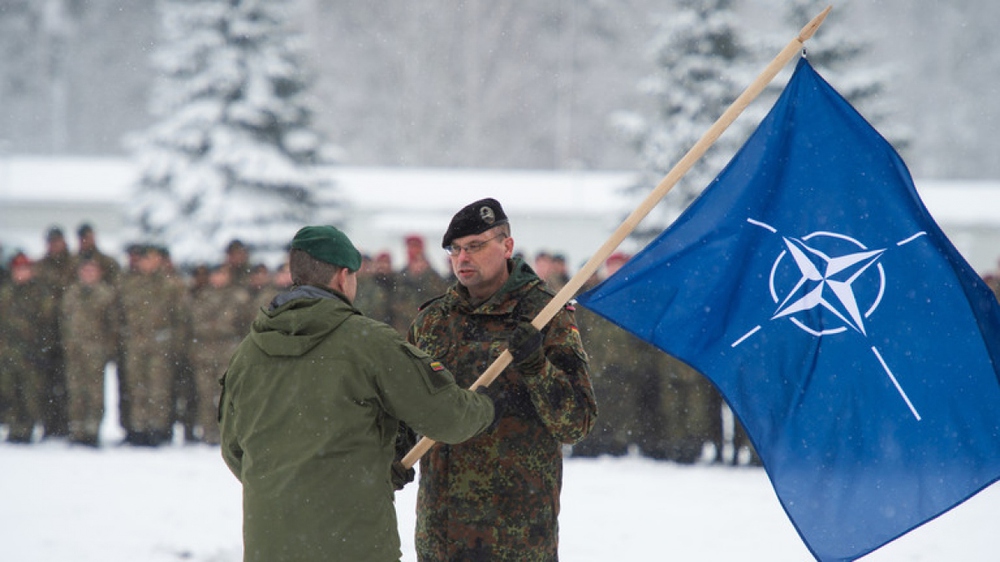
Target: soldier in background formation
{"type": "Point", "coordinates": [624, 372]}
{"type": "Point", "coordinates": [221, 316]}
{"type": "Point", "coordinates": [55, 271]}
{"type": "Point", "coordinates": [87, 250]}
{"type": "Point", "coordinates": [418, 283]}
{"type": "Point", "coordinates": [376, 283]}
{"type": "Point", "coordinates": [651, 402]}
{"type": "Point", "coordinates": [90, 320]}
{"type": "Point", "coordinates": [394, 297]}
{"type": "Point", "coordinates": [64, 318]}
{"type": "Point", "coordinates": [22, 302]}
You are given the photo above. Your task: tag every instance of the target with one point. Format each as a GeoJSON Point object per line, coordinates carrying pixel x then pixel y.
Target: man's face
{"type": "Point", "coordinates": [382, 264]}
{"type": "Point", "coordinates": [57, 245]}
{"type": "Point", "coordinates": [480, 261]}
{"type": "Point", "coordinates": [89, 274]}
{"type": "Point", "coordinates": [414, 249]}
{"type": "Point", "coordinates": [238, 256]}
{"type": "Point", "coordinates": [220, 277]}
{"type": "Point", "coordinates": [21, 274]}
{"type": "Point", "coordinates": [259, 278]}
{"type": "Point", "coordinates": [149, 263]}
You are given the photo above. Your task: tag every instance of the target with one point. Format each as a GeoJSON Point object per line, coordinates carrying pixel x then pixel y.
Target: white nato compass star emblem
{"type": "Point", "coordinates": [828, 278]}
{"type": "Point", "coordinates": [826, 281]}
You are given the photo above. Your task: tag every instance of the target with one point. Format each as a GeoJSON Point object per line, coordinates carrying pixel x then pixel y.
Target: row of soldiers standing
{"type": "Point", "coordinates": [649, 401]}
{"type": "Point", "coordinates": [66, 316]}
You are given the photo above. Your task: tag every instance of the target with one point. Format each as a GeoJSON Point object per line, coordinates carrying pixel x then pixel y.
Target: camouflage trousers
{"type": "Point", "coordinates": [85, 389]}
{"type": "Point", "coordinates": [209, 360]}
{"type": "Point", "coordinates": [693, 416]}
{"type": "Point", "coordinates": [21, 386]}
{"type": "Point", "coordinates": [149, 376]}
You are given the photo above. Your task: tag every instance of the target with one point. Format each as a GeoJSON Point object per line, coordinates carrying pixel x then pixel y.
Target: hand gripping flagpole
{"type": "Point", "coordinates": [699, 149]}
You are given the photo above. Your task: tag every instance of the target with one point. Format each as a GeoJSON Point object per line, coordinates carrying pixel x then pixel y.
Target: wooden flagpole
{"type": "Point", "coordinates": [699, 149]}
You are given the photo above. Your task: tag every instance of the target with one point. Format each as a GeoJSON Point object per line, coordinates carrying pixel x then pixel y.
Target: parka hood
{"type": "Point", "coordinates": [299, 320]}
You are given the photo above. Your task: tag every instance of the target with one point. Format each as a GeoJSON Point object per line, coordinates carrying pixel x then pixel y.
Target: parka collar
{"type": "Point", "coordinates": [306, 292]}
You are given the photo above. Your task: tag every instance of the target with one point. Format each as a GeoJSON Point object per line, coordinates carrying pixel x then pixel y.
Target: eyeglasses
{"type": "Point", "coordinates": [470, 248]}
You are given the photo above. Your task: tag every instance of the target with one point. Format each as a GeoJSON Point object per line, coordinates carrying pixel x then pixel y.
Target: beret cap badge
{"type": "Point", "coordinates": [486, 213]}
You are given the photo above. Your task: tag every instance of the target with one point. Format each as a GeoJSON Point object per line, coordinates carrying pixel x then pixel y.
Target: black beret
{"type": "Point", "coordinates": [474, 218]}
{"type": "Point", "coordinates": [327, 244]}
{"type": "Point", "coordinates": [53, 233]}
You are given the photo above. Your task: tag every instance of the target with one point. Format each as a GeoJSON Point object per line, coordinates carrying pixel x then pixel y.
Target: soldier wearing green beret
{"type": "Point", "coordinates": [496, 496]}
{"type": "Point", "coordinates": [310, 409]}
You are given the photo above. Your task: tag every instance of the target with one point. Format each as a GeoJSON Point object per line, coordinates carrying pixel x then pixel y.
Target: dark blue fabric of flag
{"type": "Point", "coordinates": [851, 339]}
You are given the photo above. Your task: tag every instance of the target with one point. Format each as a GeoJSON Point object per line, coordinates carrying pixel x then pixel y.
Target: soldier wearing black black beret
{"type": "Point", "coordinates": [505, 483]}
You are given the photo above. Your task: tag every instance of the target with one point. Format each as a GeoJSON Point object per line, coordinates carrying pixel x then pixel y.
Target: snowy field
{"type": "Point", "coordinates": [62, 503]}
{"type": "Point", "coordinates": [119, 504]}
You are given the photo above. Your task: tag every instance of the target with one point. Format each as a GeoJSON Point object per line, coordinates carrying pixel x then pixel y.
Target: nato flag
{"type": "Point", "coordinates": [854, 343]}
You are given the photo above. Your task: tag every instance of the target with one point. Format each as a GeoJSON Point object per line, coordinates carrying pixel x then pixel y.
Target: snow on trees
{"type": "Point", "coordinates": [838, 55]}
{"type": "Point", "coordinates": [700, 66]}
{"type": "Point", "coordinates": [232, 153]}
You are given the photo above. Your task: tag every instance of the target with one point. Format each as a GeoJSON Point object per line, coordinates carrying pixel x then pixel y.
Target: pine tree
{"type": "Point", "coordinates": [233, 154]}
{"type": "Point", "coordinates": [837, 53]}
{"type": "Point", "coordinates": [701, 67]}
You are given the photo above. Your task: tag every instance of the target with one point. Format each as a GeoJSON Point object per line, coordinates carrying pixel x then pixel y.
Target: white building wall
{"type": "Point", "coordinates": [562, 212]}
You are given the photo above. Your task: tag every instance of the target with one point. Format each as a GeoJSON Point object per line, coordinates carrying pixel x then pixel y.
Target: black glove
{"type": "Point", "coordinates": [401, 476]}
{"type": "Point", "coordinates": [525, 346]}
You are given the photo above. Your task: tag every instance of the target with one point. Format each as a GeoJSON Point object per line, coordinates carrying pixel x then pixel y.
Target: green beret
{"type": "Point", "coordinates": [329, 245]}
{"type": "Point", "coordinates": [474, 218]}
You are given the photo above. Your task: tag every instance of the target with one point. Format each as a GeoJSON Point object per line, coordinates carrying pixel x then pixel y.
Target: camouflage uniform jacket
{"type": "Point", "coordinates": [157, 311]}
{"type": "Point", "coordinates": [412, 290]}
{"type": "Point", "coordinates": [22, 306]}
{"type": "Point", "coordinates": [90, 320]}
{"type": "Point", "coordinates": [220, 314]}
{"type": "Point", "coordinates": [309, 415]}
{"type": "Point", "coordinates": [496, 496]}
{"type": "Point", "coordinates": [55, 272]}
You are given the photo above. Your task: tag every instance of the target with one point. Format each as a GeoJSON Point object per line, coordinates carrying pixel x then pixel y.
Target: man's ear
{"type": "Point", "coordinates": [339, 280]}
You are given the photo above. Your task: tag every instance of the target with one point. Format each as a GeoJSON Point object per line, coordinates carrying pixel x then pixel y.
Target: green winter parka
{"type": "Point", "coordinates": [309, 413]}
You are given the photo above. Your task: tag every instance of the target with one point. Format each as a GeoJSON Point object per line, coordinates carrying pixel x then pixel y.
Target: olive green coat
{"type": "Point", "coordinates": [310, 410]}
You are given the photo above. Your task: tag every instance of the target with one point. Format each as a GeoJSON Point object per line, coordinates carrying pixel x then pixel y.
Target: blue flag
{"type": "Point", "coordinates": [850, 338]}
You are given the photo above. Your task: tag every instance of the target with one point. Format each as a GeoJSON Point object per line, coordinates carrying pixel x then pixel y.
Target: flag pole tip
{"type": "Point", "coordinates": [811, 27]}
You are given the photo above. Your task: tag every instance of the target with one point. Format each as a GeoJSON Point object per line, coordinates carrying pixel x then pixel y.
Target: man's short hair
{"type": "Point", "coordinates": [307, 270]}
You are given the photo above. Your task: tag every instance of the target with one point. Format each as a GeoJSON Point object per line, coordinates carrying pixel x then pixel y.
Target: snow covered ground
{"type": "Point", "coordinates": [66, 504]}
{"type": "Point", "coordinates": [60, 503]}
